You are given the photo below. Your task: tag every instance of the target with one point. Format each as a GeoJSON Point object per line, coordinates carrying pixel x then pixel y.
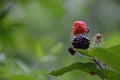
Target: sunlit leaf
{"type": "Point", "coordinates": [83, 52]}
{"type": "Point", "coordinates": [115, 49]}
{"type": "Point", "coordinates": [21, 77]}
{"type": "Point", "coordinates": [109, 58]}
{"type": "Point", "coordinates": [108, 74]}
{"type": "Point", "coordinates": [39, 50]}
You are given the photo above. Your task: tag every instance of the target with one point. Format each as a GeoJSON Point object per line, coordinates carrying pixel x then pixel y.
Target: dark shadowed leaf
{"type": "Point", "coordinates": [89, 68]}
{"type": "Point", "coordinates": [86, 67]}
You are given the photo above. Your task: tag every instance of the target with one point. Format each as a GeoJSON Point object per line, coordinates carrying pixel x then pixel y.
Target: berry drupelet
{"type": "Point", "coordinates": [81, 41]}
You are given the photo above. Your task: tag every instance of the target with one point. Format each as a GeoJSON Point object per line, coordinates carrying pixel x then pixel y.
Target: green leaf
{"type": "Point", "coordinates": [86, 67]}
{"type": "Point", "coordinates": [89, 68]}
{"type": "Point", "coordinates": [108, 74]}
{"type": "Point", "coordinates": [39, 49]}
{"type": "Point", "coordinates": [83, 52]}
{"type": "Point", "coordinates": [115, 49]}
{"type": "Point", "coordinates": [109, 58]}
{"type": "Point", "coordinates": [21, 77]}
{"type": "Point", "coordinates": [22, 65]}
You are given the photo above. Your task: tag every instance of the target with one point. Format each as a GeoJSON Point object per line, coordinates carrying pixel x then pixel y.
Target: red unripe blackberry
{"type": "Point", "coordinates": [81, 41]}
{"type": "Point", "coordinates": [79, 27]}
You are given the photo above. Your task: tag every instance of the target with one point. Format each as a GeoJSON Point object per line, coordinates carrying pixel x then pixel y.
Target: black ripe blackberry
{"type": "Point", "coordinates": [72, 51]}
{"type": "Point", "coordinates": [81, 41]}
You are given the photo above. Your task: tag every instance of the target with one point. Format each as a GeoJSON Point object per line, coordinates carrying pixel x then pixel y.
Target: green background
{"type": "Point", "coordinates": [36, 34]}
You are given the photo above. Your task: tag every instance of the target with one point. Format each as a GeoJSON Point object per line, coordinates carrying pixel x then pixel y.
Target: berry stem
{"type": "Point", "coordinates": [97, 40]}
{"type": "Point", "coordinates": [97, 63]}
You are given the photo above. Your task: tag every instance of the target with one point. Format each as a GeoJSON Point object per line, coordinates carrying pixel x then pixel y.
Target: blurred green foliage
{"type": "Point", "coordinates": [35, 35]}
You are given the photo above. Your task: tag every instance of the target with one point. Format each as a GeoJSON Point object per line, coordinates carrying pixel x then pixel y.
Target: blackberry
{"type": "Point", "coordinates": [72, 51]}
{"type": "Point", "coordinates": [81, 41]}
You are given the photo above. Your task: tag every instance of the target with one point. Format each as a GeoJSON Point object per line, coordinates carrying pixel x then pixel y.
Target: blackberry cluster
{"type": "Point", "coordinates": [81, 41]}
